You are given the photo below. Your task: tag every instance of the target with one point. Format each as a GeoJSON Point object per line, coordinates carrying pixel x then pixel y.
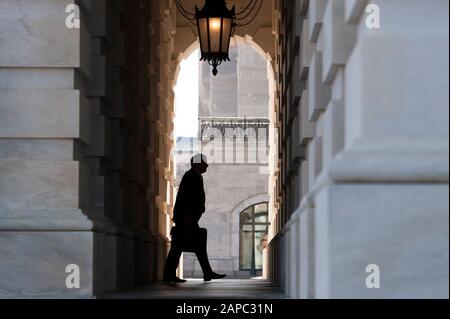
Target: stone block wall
{"type": "Point", "coordinates": [364, 141]}
{"type": "Point", "coordinates": [84, 144]}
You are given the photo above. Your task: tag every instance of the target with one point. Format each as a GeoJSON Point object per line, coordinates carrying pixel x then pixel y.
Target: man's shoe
{"type": "Point", "coordinates": [174, 280]}
{"type": "Point", "coordinates": [212, 276]}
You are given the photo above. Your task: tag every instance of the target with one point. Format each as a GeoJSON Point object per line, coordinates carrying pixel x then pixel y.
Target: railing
{"type": "Point", "coordinates": [234, 128]}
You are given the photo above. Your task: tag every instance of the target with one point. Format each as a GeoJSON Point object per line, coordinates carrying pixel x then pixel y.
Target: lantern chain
{"type": "Point", "coordinates": [253, 17]}
{"type": "Point", "coordinates": [186, 14]}
{"type": "Point", "coordinates": [246, 8]}
{"type": "Point", "coordinates": [252, 3]}
{"type": "Point", "coordinates": [242, 15]}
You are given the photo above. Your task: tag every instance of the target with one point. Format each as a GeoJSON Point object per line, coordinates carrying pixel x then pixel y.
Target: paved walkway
{"type": "Point", "coordinates": [197, 289]}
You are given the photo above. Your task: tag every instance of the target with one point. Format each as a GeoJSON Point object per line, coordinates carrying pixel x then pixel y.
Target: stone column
{"type": "Point", "coordinates": [367, 111]}
{"type": "Point", "coordinates": [44, 123]}
{"type": "Point", "coordinates": [384, 199]}
{"type": "Point", "coordinates": [294, 269]}
{"type": "Point", "coordinates": [161, 31]}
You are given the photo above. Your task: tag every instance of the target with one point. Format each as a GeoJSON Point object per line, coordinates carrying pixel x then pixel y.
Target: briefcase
{"type": "Point", "coordinates": [191, 240]}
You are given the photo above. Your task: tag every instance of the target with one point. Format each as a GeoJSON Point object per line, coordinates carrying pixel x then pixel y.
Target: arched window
{"type": "Point", "coordinates": [254, 227]}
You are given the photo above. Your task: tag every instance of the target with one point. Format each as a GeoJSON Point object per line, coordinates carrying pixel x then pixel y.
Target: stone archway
{"type": "Point", "coordinates": [235, 214]}
{"type": "Point", "coordinates": [250, 201]}
{"type": "Point", "coordinates": [183, 51]}
{"type": "Point", "coordinates": [186, 42]}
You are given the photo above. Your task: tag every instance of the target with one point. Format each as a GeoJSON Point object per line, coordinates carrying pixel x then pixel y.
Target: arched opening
{"type": "Point", "coordinates": [233, 116]}
{"type": "Point", "coordinates": [253, 232]}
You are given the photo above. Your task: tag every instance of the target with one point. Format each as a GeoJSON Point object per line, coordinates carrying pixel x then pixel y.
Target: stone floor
{"type": "Point", "coordinates": [197, 289]}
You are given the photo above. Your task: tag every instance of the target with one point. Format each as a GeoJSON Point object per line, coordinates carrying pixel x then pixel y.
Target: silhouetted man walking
{"type": "Point", "coordinates": [187, 234]}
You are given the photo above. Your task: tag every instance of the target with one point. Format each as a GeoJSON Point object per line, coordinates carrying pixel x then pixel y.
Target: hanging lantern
{"type": "Point", "coordinates": [215, 26]}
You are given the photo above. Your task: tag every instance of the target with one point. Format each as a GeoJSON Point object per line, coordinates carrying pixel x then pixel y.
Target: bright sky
{"type": "Point", "coordinates": [186, 97]}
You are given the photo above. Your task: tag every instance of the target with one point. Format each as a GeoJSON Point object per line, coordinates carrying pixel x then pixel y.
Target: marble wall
{"type": "Point", "coordinates": [364, 113]}
{"type": "Point", "coordinates": [84, 145]}
{"type": "Point", "coordinates": [45, 121]}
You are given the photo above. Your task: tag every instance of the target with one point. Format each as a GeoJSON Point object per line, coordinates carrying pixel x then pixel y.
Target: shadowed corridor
{"type": "Point", "coordinates": [197, 289]}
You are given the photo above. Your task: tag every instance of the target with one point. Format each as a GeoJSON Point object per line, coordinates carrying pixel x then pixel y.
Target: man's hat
{"type": "Point", "coordinates": [199, 159]}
